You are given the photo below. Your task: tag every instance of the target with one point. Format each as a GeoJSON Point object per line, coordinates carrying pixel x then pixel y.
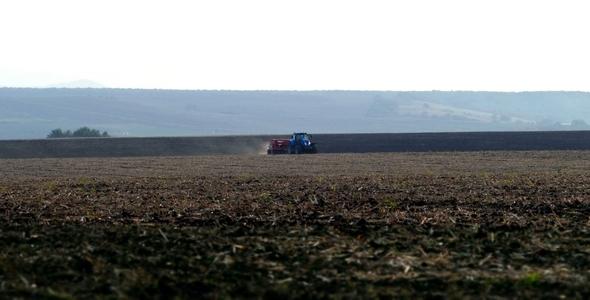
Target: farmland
{"type": "Point", "coordinates": [327, 143]}
{"type": "Point", "coordinates": [428, 224]}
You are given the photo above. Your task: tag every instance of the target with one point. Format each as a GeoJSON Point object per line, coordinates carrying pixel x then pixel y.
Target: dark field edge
{"type": "Point", "coordinates": [327, 143]}
{"type": "Point", "coordinates": [268, 262]}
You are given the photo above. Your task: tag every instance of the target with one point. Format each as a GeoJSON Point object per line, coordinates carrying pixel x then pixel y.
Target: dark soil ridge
{"type": "Point", "coordinates": [327, 143]}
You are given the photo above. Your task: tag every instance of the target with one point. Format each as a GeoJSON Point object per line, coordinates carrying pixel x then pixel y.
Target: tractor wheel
{"type": "Point", "coordinates": [289, 151]}
{"type": "Point", "coordinates": [298, 149]}
{"type": "Point", "coordinates": [314, 149]}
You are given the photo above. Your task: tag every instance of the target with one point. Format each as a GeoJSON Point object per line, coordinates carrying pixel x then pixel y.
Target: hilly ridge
{"type": "Point", "coordinates": [28, 113]}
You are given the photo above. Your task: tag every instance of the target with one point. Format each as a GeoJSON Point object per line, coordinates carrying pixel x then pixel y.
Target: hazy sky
{"type": "Point", "coordinates": [298, 45]}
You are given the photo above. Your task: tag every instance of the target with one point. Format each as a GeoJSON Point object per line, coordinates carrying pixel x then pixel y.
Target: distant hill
{"type": "Point", "coordinates": [13, 78]}
{"type": "Point", "coordinates": [28, 113]}
{"type": "Point", "coordinates": [82, 83]}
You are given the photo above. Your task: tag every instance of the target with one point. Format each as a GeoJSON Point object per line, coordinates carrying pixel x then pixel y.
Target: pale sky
{"type": "Point", "coordinates": [298, 45]}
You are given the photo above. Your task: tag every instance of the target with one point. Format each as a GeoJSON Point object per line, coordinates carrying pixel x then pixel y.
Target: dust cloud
{"type": "Point", "coordinates": [258, 148]}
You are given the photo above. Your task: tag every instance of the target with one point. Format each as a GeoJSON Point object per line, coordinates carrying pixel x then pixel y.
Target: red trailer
{"type": "Point", "coordinates": [277, 146]}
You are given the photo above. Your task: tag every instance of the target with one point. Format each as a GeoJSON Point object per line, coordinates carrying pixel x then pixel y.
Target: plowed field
{"type": "Point", "coordinates": [406, 225]}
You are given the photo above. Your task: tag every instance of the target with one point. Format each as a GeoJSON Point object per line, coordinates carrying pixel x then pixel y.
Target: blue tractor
{"type": "Point", "coordinates": [299, 144]}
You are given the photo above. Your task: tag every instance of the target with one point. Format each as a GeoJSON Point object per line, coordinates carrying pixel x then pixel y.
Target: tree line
{"type": "Point", "coordinates": [80, 132]}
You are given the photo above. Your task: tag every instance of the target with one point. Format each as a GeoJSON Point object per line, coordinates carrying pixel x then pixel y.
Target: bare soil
{"type": "Point", "coordinates": [405, 225]}
{"type": "Point", "coordinates": [326, 143]}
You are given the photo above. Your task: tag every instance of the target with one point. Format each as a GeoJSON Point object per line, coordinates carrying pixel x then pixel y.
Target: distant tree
{"type": "Point", "coordinates": [80, 132]}
{"type": "Point", "coordinates": [56, 133]}
{"type": "Point", "coordinates": [86, 132]}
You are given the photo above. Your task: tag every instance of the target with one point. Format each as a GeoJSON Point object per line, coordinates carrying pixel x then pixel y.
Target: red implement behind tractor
{"type": "Point", "coordinates": [278, 147]}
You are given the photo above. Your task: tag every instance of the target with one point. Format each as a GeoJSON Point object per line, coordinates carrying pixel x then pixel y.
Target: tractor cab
{"type": "Point", "coordinates": [300, 136]}
{"type": "Point", "coordinates": [300, 143]}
